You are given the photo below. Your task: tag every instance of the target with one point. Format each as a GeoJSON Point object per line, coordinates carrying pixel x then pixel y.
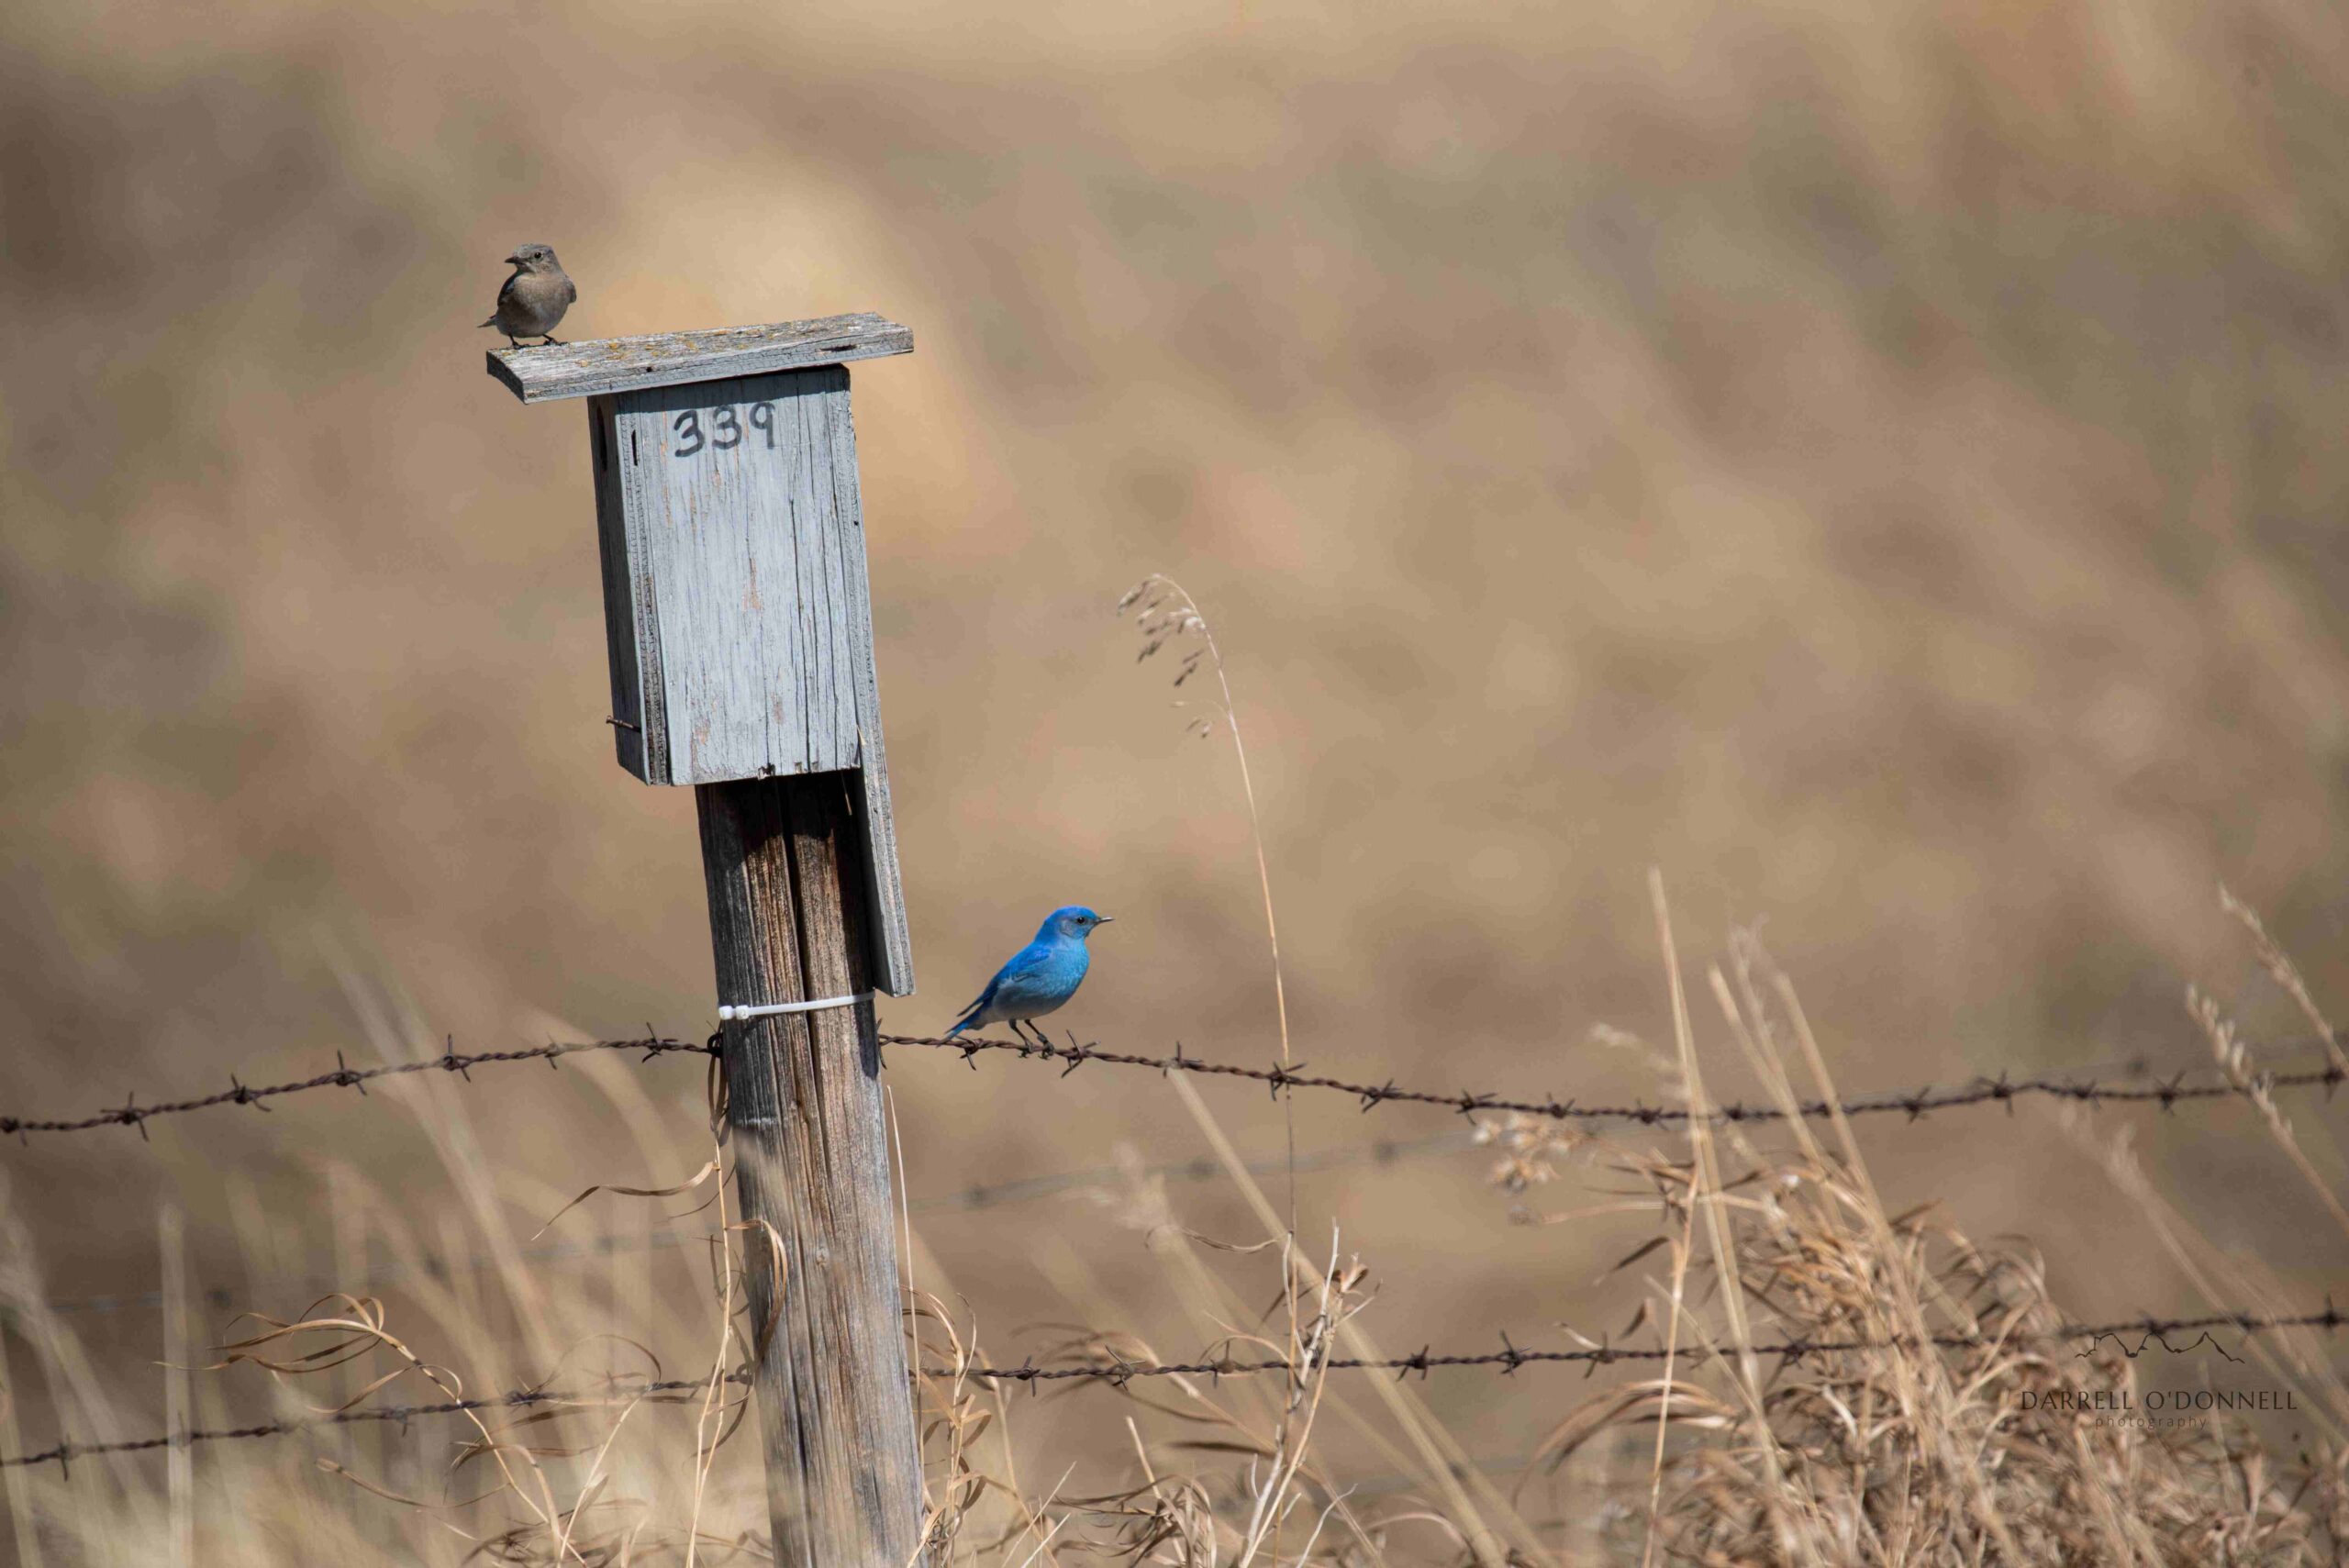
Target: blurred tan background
{"type": "Point", "coordinates": [1881, 465]}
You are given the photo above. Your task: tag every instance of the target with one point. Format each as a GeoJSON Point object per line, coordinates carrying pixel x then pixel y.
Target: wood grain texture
{"type": "Point", "coordinates": [835, 1410]}
{"type": "Point", "coordinates": [670, 358]}
{"type": "Point", "coordinates": [620, 580]}
{"type": "Point", "coordinates": [749, 590]}
{"type": "Point", "coordinates": [892, 937]}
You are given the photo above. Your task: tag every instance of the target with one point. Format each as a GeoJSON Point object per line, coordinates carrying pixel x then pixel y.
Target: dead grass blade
{"type": "Point", "coordinates": [688, 1184]}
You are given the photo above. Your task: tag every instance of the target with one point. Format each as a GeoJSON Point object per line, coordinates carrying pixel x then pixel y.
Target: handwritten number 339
{"type": "Point", "coordinates": [727, 429]}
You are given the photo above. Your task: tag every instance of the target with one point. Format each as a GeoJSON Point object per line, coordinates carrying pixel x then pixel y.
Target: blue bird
{"type": "Point", "coordinates": [1040, 977]}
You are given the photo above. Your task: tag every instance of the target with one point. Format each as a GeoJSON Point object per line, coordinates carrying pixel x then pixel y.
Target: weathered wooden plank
{"type": "Point", "coordinates": [893, 943]}
{"type": "Point", "coordinates": [670, 358]}
{"type": "Point", "coordinates": [694, 511]}
{"type": "Point", "coordinates": [746, 589]}
{"type": "Point", "coordinates": [892, 939]}
{"type": "Point", "coordinates": [827, 541]}
{"type": "Point", "coordinates": [786, 884]}
{"type": "Point", "coordinates": [620, 592]}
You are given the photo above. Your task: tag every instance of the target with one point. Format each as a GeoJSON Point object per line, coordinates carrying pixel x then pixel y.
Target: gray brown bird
{"type": "Point", "coordinates": [533, 300]}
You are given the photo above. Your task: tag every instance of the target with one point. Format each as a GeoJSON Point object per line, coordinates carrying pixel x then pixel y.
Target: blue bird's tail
{"type": "Point", "coordinates": [975, 1007]}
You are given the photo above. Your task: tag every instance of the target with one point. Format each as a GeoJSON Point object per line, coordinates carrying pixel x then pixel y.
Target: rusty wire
{"type": "Point", "coordinates": [64, 1453]}
{"type": "Point", "coordinates": [345, 1076]}
{"type": "Point", "coordinates": [1510, 1356]}
{"type": "Point", "coordinates": [1284, 1077]}
{"type": "Point", "coordinates": [1280, 1078]}
{"type": "Point", "coordinates": [2147, 1331]}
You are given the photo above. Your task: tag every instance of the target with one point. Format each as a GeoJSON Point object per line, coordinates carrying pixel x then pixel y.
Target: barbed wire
{"type": "Point", "coordinates": [1280, 1078]}
{"type": "Point", "coordinates": [345, 1076]}
{"type": "Point", "coordinates": [64, 1453]}
{"type": "Point", "coordinates": [1283, 1078]}
{"type": "Point", "coordinates": [1118, 1373]}
{"type": "Point", "coordinates": [1511, 1356]}
{"type": "Point", "coordinates": [982, 1196]}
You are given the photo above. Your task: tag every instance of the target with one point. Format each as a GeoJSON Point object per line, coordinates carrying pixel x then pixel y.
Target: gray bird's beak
{"type": "Point", "coordinates": [515, 259]}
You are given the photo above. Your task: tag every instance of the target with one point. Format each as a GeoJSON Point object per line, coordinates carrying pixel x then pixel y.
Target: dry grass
{"type": "Point", "coordinates": [1909, 1455]}
{"type": "Point", "coordinates": [1877, 461]}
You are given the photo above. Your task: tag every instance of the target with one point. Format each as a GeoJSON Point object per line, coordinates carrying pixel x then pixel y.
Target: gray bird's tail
{"type": "Point", "coordinates": [491, 322]}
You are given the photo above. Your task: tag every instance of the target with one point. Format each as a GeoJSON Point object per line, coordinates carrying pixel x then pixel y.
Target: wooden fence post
{"type": "Point", "coordinates": [741, 635]}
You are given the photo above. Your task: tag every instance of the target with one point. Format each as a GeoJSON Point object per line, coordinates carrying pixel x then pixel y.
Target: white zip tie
{"type": "Point", "coordinates": [730, 1013]}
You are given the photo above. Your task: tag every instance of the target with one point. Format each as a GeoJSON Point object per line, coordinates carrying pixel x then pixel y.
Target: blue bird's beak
{"type": "Point", "coordinates": [1103, 919]}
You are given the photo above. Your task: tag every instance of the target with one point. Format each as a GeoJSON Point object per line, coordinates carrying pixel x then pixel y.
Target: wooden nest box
{"type": "Point", "coordinates": [735, 596]}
